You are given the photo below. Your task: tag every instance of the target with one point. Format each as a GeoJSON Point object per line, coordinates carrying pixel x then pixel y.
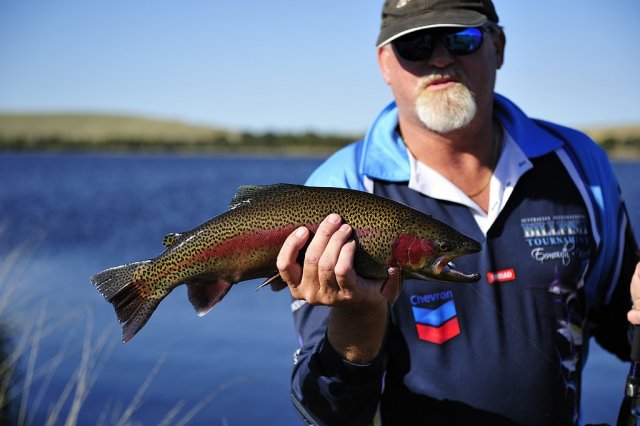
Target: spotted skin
{"type": "Point", "coordinates": [243, 243]}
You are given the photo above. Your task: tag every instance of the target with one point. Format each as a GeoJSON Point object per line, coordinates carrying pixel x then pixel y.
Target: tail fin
{"type": "Point", "coordinates": [133, 305]}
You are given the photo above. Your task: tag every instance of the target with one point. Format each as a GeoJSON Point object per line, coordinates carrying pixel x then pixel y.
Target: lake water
{"type": "Point", "coordinates": [75, 215]}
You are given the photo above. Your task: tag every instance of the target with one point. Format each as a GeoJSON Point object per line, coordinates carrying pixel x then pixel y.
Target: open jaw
{"type": "Point", "coordinates": [445, 269]}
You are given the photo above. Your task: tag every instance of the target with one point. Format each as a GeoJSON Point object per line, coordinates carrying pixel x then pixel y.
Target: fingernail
{"type": "Point", "coordinates": [301, 231]}
{"type": "Point", "coordinates": [345, 228]}
{"type": "Point", "coordinates": [333, 218]}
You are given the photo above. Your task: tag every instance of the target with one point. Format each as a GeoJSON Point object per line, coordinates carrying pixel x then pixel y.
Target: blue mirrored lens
{"type": "Point", "coordinates": [419, 45]}
{"type": "Point", "coordinates": [463, 42]}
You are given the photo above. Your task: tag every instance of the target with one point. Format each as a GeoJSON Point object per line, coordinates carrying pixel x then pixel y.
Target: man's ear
{"type": "Point", "coordinates": [384, 56]}
{"type": "Point", "coordinates": [499, 43]}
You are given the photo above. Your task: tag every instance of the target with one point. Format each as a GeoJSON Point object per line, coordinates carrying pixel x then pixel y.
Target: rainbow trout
{"type": "Point", "coordinates": [243, 244]}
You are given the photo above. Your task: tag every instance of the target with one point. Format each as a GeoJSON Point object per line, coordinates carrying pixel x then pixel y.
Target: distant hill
{"type": "Point", "coordinates": [98, 132]}
{"type": "Point", "coordinates": [619, 142]}
{"type": "Point", "coordinates": [102, 132]}
{"type": "Point", "coordinates": [97, 128]}
{"type": "Point", "coordinates": [620, 132]}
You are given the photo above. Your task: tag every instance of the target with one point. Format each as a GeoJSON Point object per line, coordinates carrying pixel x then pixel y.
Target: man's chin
{"type": "Point", "coordinates": [443, 123]}
{"type": "Point", "coordinates": [446, 110]}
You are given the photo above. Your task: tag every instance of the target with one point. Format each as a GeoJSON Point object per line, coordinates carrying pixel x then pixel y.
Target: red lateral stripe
{"type": "Point", "coordinates": [441, 334]}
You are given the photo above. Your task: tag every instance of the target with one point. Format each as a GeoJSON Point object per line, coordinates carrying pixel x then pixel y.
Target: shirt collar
{"type": "Point", "coordinates": [385, 155]}
{"type": "Point", "coordinates": [511, 165]}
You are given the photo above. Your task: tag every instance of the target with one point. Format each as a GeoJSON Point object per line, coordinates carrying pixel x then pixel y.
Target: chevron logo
{"type": "Point", "coordinates": [437, 325]}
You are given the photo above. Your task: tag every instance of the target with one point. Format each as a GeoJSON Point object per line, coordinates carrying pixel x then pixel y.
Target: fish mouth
{"type": "Point", "coordinates": [443, 267]}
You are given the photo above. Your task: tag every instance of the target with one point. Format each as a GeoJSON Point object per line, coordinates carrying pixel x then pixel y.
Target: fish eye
{"type": "Point", "coordinates": [443, 246]}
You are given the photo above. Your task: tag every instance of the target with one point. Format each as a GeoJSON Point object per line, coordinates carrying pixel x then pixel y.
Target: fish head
{"type": "Point", "coordinates": [429, 257]}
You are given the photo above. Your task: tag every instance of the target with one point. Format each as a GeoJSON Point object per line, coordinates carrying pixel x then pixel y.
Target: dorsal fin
{"type": "Point", "coordinates": [171, 240]}
{"type": "Point", "coordinates": [248, 193]}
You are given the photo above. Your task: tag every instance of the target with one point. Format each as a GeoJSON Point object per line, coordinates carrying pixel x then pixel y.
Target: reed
{"type": "Point", "coordinates": [26, 375]}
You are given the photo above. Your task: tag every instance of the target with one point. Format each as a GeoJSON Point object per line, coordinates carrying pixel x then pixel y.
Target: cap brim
{"type": "Point", "coordinates": [430, 20]}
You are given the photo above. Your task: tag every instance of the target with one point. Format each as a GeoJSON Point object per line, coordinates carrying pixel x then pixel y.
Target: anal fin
{"type": "Point", "coordinates": [204, 295]}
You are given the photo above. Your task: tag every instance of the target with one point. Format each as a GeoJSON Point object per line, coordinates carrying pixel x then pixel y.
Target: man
{"type": "Point", "coordinates": [558, 253]}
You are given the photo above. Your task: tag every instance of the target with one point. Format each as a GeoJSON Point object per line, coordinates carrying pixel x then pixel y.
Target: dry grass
{"type": "Point", "coordinates": [621, 143]}
{"type": "Point", "coordinates": [121, 133]}
{"type": "Point", "coordinates": [95, 128]}
{"type": "Point", "coordinates": [116, 133]}
{"type": "Point", "coordinates": [26, 375]}
{"type": "Point", "coordinates": [619, 133]}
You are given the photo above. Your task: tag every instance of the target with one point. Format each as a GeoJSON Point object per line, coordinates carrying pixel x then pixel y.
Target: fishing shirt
{"type": "Point", "coordinates": [557, 258]}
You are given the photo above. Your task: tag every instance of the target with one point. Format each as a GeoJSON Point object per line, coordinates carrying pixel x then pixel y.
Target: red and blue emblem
{"type": "Point", "coordinates": [435, 317]}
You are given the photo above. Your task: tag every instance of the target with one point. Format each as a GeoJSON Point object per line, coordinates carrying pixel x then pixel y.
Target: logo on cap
{"type": "Point", "coordinates": [402, 3]}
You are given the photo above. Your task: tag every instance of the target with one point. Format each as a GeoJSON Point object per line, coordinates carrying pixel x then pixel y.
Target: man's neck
{"type": "Point", "coordinates": [466, 157]}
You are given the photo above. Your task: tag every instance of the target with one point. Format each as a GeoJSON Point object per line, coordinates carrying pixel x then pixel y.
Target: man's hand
{"type": "Point", "coordinates": [359, 311]}
{"type": "Point", "coordinates": [634, 314]}
{"type": "Point", "coordinates": [327, 276]}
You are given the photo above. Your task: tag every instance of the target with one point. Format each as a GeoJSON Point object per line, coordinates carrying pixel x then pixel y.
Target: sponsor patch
{"type": "Point", "coordinates": [435, 316]}
{"type": "Point", "coordinates": [557, 238]}
{"type": "Point", "coordinates": [501, 276]}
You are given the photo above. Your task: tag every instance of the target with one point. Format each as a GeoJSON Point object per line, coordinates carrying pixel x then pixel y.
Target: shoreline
{"type": "Point", "coordinates": [150, 148]}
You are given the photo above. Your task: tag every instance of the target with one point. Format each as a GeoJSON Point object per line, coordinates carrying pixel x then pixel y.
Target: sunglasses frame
{"type": "Point", "coordinates": [407, 47]}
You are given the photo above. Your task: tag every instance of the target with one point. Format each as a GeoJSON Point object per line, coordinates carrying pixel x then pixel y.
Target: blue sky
{"type": "Point", "coordinates": [295, 65]}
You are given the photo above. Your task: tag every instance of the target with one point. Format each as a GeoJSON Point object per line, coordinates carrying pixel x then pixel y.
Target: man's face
{"type": "Point", "coordinates": [446, 91]}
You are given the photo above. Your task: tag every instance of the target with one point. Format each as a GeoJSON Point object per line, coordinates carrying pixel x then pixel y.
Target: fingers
{"type": "Point", "coordinates": [634, 314]}
{"type": "Point", "coordinates": [308, 280]}
{"type": "Point", "coordinates": [634, 317]}
{"type": "Point", "coordinates": [330, 247]}
{"type": "Point", "coordinates": [335, 267]}
{"type": "Point", "coordinates": [324, 249]}
{"type": "Point", "coordinates": [343, 269]}
{"type": "Point", "coordinates": [288, 267]}
{"type": "Point", "coordinates": [327, 276]}
{"type": "Point", "coordinates": [328, 262]}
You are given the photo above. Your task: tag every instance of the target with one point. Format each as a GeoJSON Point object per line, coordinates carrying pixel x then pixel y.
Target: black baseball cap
{"type": "Point", "coordinates": [400, 17]}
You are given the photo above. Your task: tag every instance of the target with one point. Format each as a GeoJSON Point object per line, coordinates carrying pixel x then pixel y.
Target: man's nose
{"type": "Point", "coordinates": [441, 57]}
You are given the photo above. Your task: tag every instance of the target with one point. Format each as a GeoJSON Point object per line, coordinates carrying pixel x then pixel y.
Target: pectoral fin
{"type": "Point", "coordinates": [392, 286]}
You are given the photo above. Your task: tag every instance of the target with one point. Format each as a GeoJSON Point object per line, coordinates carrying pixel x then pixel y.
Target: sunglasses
{"type": "Point", "coordinates": [419, 45]}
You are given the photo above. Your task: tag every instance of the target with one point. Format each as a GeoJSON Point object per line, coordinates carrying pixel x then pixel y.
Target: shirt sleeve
{"type": "Point", "coordinates": [326, 389]}
{"type": "Point", "coordinates": [607, 287]}
{"type": "Point", "coordinates": [611, 328]}
{"type": "Point", "coordinates": [341, 170]}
